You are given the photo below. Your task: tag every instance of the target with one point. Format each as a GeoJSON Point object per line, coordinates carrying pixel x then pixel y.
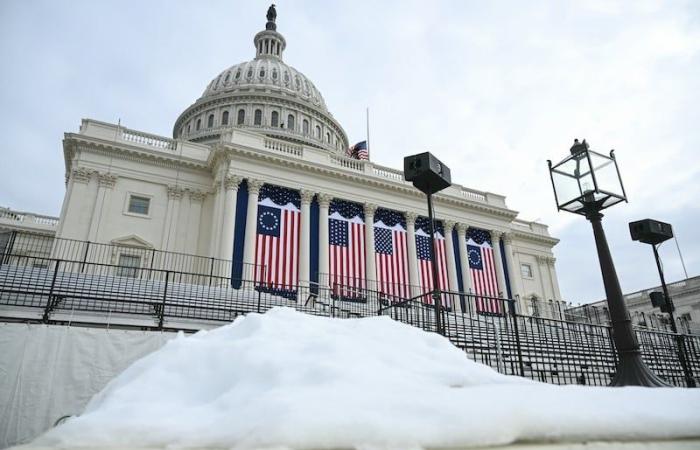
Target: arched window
{"type": "Point", "coordinates": [275, 119]}
{"type": "Point", "coordinates": [318, 132]}
{"type": "Point", "coordinates": [306, 126]}
{"type": "Point", "coordinates": [290, 122]}
{"type": "Point", "coordinates": [224, 118]}
{"type": "Point", "coordinates": [328, 138]}
{"type": "Point", "coordinates": [188, 128]}
{"type": "Point", "coordinates": [210, 121]}
{"type": "Point", "coordinates": [257, 120]}
{"type": "Point", "coordinates": [241, 117]}
{"type": "Point", "coordinates": [199, 124]}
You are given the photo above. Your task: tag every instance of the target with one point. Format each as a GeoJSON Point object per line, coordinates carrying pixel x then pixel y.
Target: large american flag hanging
{"type": "Point", "coordinates": [483, 271]}
{"type": "Point", "coordinates": [346, 223]}
{"type": "Point", "coordinates": [425, 267]}
{"type": "Point", "coordinates": [390, 253]}
{"type": "Point", "coordinates": [277, 241]}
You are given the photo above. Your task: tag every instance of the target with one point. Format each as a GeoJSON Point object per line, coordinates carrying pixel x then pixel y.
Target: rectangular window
{"type": "Point", "coordinates": [139, 205]}
{"type": "Point", "coordinates": [526, 270]}
{"type": "Point", "coordinates": [128, 266]}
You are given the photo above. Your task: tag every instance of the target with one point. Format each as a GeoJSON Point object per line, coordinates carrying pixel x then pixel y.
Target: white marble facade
{"type": "Point", "coordinates": [191, 182]}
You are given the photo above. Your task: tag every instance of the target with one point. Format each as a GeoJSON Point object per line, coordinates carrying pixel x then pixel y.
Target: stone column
{"type": "Point", "coordinates": [193, 221]}
{"type": "Point", "coordinates": [305, 238]}
{"type": "Point", "coordinates": [324, 201]}
{"type": "Point", "coordinates": [464, 257]}
{"type": "Point", "coordinates": [545, 284]}
{"type": "Point", "coordinates": [451, 262]}
{"type": "Point", "coordinates": [174, 197]}
{"type": "Point", "coordinates": [251, 228]}
{"type": "Point", "coordinates": [553, 277]}
{"type": "Point", "coordinates": [105, 184]}
{"type": "Point", "coordinates": [370, 262]}
{"type": "Point", "coordinates": [231, 183]}
{"type": "Point", "coordinates": [498, 262]}
{"type": "Point", "coordinates": [217, 206]}
{"type": "Point", "coordinates": [512, 271]}
{"type": "Point", "coordinates": [413, 278]}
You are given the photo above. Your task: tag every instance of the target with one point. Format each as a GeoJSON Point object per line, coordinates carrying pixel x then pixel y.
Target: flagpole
{"type": "Point", "coordinates": [368, 132]}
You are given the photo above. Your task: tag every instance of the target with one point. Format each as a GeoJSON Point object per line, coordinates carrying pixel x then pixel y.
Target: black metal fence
{"type": "Point", "coordinates": [489, 330]}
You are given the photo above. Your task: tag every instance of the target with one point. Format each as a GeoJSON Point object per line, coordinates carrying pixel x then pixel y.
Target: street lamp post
{"type": "Point", "coordinates": [585, 183]}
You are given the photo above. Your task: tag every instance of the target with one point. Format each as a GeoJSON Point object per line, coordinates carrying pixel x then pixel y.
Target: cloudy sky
{"type": "Point", "coordinates": [494, 89]}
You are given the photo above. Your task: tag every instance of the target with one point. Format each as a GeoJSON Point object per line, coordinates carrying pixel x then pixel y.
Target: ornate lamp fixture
{"type": "Point", "coordinates": [586, 182]}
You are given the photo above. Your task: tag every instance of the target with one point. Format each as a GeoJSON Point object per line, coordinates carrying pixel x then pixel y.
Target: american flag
{"type": "Point", "coordinates": [390, 253]}
{"type": "Point", "coordinates": [346, 224]}
{"type": "Point", "coordinates": [359, 151]}
{"type": "Point", "coordinates": [277, 241]}
{"type": "Point", "coordinates": [425, 264]}
{"type": "Point", "coordinates": [483, 271]}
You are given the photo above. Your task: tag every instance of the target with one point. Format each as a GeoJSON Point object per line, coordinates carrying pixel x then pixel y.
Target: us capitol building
{"type": "Point", "coordinates": [259, 126]}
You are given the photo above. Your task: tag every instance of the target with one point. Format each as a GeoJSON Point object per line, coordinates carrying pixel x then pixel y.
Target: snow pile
{"type": "Point", "coordinates": [293, 380]}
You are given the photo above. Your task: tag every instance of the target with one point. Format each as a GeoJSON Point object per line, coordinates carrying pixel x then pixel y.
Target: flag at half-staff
{"type": "Point", "coordinates": [277, 240]}
{"type": "Point", "coordinates": [390, 250]}
{"type": "Point", "coordinates": [482, 270]}
{"type": "Point", "coordinates": [425, 263]}
{"type": "Point", "coordinates": [346, 249]}
{"type": "Point", "coordinates": [359, 151]}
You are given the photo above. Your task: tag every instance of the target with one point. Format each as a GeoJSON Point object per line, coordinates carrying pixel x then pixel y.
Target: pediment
{"type": "Point", "coordinates": [132, 241]}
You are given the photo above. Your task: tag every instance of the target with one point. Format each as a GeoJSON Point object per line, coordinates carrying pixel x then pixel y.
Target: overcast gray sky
{"type": "Point", "coordinates": [494, 89]}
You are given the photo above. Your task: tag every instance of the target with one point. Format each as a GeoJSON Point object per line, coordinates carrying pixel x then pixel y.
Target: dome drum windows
{"type": "Point", "coordinates": [290, 122]}
{"type": "Point", "coordinates": [199, 125]}
{"type": "Point", "coordinates": [210, 121]}
{"type": "Point", "coordinates": [240, 120]}
{"type": "Point", "coordinates": [318, 132]}
{"type": "Point", "coordinates": [305, 127]}
{"type": "Point", "coordinates": [257, 118]}
{"type": "Point", "coordinates": [275, 119]}
{"type": "Point", "coordinates": [224, 118]}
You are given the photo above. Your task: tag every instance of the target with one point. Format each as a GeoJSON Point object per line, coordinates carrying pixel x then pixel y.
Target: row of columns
{"type": "Point", "coordinates": [223, 232]}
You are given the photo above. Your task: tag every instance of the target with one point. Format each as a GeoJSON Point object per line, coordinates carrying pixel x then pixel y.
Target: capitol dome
{"type": "Point", "coordinates": [263, 95]}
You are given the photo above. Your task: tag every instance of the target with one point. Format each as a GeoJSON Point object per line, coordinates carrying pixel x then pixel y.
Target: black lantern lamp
{"type": "Point", "coordinates": [586, 179]}
{"type": "Point", "coordinates": [586, 182]}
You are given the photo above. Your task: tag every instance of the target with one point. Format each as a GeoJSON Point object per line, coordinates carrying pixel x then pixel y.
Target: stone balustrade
{"type": "Point", "coordinates": [147, 139]}
{"type": "Point", "coordinates": [12, 217]}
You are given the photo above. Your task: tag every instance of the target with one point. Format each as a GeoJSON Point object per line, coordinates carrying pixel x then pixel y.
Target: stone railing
{"type": "Point", "coordinates": [470, 194]}
{"type": "Point", "coordinates": [26, 218]}
{"type": "Point", "coordinates": [348, 163]}
{"type": "Point", "coordinates": [386, 172]}
{"type": "Point", "coordinates": [149, 140]}
{"type": "Point", "coordinates": [284, 147]}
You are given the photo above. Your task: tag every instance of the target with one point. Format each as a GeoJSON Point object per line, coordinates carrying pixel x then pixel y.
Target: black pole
{"type": "Point", "coordinates": [433, 259]}
{"type": "Point", "coordinates": [670, 308]}
{"type": "Point", "coordinates": [631, 369]}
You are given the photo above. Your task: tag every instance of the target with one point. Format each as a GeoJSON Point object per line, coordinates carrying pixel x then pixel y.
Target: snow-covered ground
{"type": "Point", "coordinates": [294, 380]}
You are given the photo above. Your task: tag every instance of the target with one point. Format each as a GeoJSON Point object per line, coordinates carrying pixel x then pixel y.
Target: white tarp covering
{"type": "Point", "coordinates": [50, 371]}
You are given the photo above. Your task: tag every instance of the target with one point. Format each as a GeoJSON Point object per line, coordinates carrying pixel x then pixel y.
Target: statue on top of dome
{"type": "Point", "coordinates": [271, 17]}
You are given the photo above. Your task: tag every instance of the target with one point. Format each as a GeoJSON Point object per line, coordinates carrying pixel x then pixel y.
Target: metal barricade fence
{"type": "Point", "coordinates": [489, 330]}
